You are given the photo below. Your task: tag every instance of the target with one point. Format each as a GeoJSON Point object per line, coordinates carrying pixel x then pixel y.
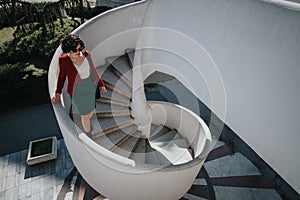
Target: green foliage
{"type": "Point", "coordinates": [34, 44]}
{"type": "Point", "coordinates": [10, 75]}
{"type": "Point", "coordinates": [33, 71]}
{"type": "Point", "coordinates": [14, 76]}
{"type": "Point", "coordinates": [17, 13]}
{"type": "Point", "coordinates": [22, 85]}
{"type": "Point", "coordinates": [6, 34]}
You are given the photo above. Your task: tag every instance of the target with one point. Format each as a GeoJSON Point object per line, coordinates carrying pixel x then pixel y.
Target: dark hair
{"type": "Point", "coordinates": [70, 42]}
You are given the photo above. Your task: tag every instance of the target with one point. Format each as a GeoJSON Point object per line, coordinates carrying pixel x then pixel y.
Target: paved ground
{"type": "Point", "coordinates": [58, 179]}
{"type": "Point", "coordinates": [226, 175]}
{"type": "Point", "coordinates": [20, 127]}
{"type": "Point", "coordinates": [43, 181]}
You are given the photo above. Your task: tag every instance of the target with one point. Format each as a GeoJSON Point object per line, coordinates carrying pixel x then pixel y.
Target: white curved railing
{"type": "Point", "coordinates": [285, 4]}
{"type": "Point", "coordinates": [113, 175]}
{"type": "Point", "coordinates": [100, 167]}
{"type": "Point", "coordinates": [110, 37]}
{"type": "Point", "coordinates": [186, 122]}
{"type": "Point", "coordinates": [134, 14]}
{"type": "Point", "coordinates": [272, 43]}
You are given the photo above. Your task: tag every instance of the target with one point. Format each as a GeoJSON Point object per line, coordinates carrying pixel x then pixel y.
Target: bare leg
{"type": "Point", "coordinates": [91, 114]}
{"type": "Point", "coordinates": [85, 119]}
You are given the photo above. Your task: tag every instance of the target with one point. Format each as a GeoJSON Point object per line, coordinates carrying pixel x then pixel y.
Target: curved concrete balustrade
{"type": "Point", "coordinates": [112, 32]}
{"type": "Point", "coordinates": [113, 175]}
{"type": "Point", "coordinates": [255, 46]}
{"type": "Point", "coordinates": [186, 122]}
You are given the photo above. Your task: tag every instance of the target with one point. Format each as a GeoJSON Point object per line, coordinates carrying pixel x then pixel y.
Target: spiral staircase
{"type": "Point", "coordinates": [126, 152]}
{"type": "Point", "coordinates": [114, 129]}
{"type": "Point", "coordinates": [145, 145]}
{"type": "Point", "coordinates": [166, 150]}
{"type": "Point", "coordinates": [118, 132]}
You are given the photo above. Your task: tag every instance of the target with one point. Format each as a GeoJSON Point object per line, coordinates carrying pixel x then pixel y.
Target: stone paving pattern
{"type": "Point", "coordinates": [56, 179]}
{"type": "Point", "coordinates": [42, 181]}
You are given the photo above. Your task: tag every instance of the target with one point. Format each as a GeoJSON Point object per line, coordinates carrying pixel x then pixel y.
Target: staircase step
{"type": "Point", "coordinates": [113, 101]}
{"type": "Point", "coordinates": [182, 143]}
{"type": "Point", "coordinates": [162, 160]}
{"type": "Point", "coordinates": [127, 146]}
{"type": "Point", "coordinates": [151, 157]}
{"type": "Point", "coordinates": [122, 77]}
{"type": "Point", "coordinates": [116, 113]}
{"type": "Point", "coordinates": [172, 134]}
{"type": "Point", "coordinates": [113, 128]}
{"type": "Point", "coordinates": [159, 131]}
{"type": "Point", "coordinates": [110, 77]}
{"type": "Point", "coordinates": [122, 65]}
{"type": "Point", "coordinates": [109, 140]}
{"type": "Point", "coordinates": [124, 139]}
{"type": "Point", "coordinates": [107, 107]}
{"type": "Point", "coordinates": [111, 110]}
{"type": "Point", "coordinates": [111, 94]}
{"type": "Point", "coordinates": [118, 90]}
{"type": "Point", "coordinates": [107, 122]}
{"type": "Point", "coordinates": [138, 154]}
{"type": "Point", "coordinates": [130, 54]}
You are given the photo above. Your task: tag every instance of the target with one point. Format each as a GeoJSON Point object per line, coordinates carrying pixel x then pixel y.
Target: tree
{"type": "Point", "coordinates": [27, 16]}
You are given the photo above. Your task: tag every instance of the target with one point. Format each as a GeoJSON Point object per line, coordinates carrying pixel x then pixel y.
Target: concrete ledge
{"type": "Point", "coordinates": [42, 150]}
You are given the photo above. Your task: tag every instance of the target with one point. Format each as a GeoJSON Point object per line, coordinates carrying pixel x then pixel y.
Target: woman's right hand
{"type": "Point", "coordinates": [55, 99]}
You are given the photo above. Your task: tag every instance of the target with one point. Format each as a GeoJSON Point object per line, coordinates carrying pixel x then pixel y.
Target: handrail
{"type": "Point", "coordinates": [285, 4]}
{"type": "Point", "coordinates": [64, 120]}
{"type": "Point", "coordinates": [64, 117]}
{"type": "Point", "coordinates": [91, 145]}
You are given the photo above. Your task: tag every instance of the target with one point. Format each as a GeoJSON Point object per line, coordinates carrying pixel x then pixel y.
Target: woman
{"type": "Point", "coordinates": [83, 77]}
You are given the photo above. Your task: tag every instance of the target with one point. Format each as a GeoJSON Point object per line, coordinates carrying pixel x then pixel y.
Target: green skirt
{"type": "Point", "coordinates": [83, 98]}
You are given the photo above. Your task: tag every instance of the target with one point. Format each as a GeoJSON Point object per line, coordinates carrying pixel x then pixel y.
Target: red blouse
{"type": "Point", "coordinates": [67, 69]}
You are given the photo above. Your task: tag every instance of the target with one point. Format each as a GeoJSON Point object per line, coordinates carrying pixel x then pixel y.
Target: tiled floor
{"type": "Point", "coordinates": [42, 181]}
{"type": "Point", "coordinates": [58, 179]}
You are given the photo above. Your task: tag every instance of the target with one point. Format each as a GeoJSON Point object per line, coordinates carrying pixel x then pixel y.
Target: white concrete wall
{"type": "Point", "coordinates": [256, 48]}
{"type": "Point", "coordinates": [112, 32]}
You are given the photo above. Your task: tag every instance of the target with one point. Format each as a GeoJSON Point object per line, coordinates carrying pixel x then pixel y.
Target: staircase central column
{"type": "Point", "coordinates": [140, 107]}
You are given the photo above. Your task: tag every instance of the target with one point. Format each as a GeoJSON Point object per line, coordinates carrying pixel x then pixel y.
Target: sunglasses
{"type": "Point", "coordinates": [76, 50]}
